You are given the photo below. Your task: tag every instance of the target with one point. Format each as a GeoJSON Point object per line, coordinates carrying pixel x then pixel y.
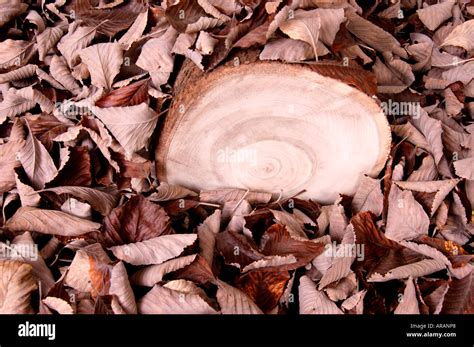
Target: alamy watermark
{"type": "Point", "coordinates": [19, 251]}
{"type": "Point", "coordinates": [71, 110]}
{"type": "Point", "coordinates": [401, 108]}
{"type": "Point", "coordinates": [241, 156]}
{"type": "Point", "coordinates": [345, 250]}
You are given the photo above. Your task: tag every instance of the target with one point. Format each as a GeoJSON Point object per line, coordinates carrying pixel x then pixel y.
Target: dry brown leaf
{"type": "Point", "coordinates": [133, 94]}
{"type": "Point", "coordinates": [406, 218]}
{"type": "Point", "coordinates": [49, 222]}
{"type": "Point", "coordinates": [154, 251]}
{"type": "Point", "coordinates": [8, 156]}
{"type": "Point", "coordinates": [271, 261]}
{"type": "Point", "coordinates": [60, 71]}
{"type": "Point", "coordinates": [292, 225]}
{"type": "Point", "coordinates": [313, 301]}
{"type": "Point", "coordinates": [418, 269]}
{"type": "Point", "coordinates": [303, 27]}
{"type": "Point", "coordinates": [77, 208]}
{"type": "Point", "coordinates": [458, 299]}
{"type": "Point", "coordinates": [29, 93]}
{"type": "Point", "coordinates": [342, 260]}
{"type": "Point", "coordinates": [234, 301]}
{"type": "Point", "coordinates": [337, 221]}
{"type": "Point", "coordinates": [380, 253]}
{"type": "Point", "coordinates": [165, 192]}
{"type": "Point", "coordinates": [331, 20]}
{"type": "Point", "coordinates": [432, 131]}
{"type": "Point", "coordinates": [465, 168]}
{"type": "Point", "coordinates": [153, 274]}
{"type": "Point", "coordinates": [12, 52]}
{"type": "Point", "coordinates": [18, 74]}
{"type": "Point", "coordinates": [78, 275]}
{"type": "Point", "coordinates": [71, 44]}
{"type": "Point", "coordinates": [287, 50]}
{"type": "Point", "coordinates": [263, 286]}
{"type": "Point", "coordinates": [277, 241]}
{"type": "Point", "coordinates": [16, 288]}
{"type": "Point", "coordinates": [408, 302]}
{"type": "Point", "coordinates": [461, 36]}
{"type": "Point", "coordinates": [355, 303]}
{"type": "Point", "coordinates": [28, 196]}
{"type": "Point", "coordinates": [135, 31]}
{"type": "Point", "coordinates": [342, 289]}
{"type": "Point", "coordinates": [433, 16]}
{"type": "Point", "coordinates": [28, 252]}
{"type": "Point", "coordinates": [37, 162]}
{"type": "Point", "coordinates": [162, 300]}
{"type": "Point", "coordinates": [409, 132]}
{"type": "Point", "coordinates": [103, 61]}
{"type": "Point", "coordinates": [58, 305]}
{"type": "Point", "coordinates": [100, 200]}
{"type": "Point", "coordinates": [120, 287]}
{"type": "Point", "coordinates": [14, 104]}
{"type": "Point", "coordinates": [441, 188]}
{"type": "Point", "coordinates": [387, 81]}
{"type": "Point", "coordinates": [109, 21]}
{"type": "Point", "coordinates": [156, 57]}
{"type": "Point", "coordinates": [207, 232]}
{"type": "Point", "coordinates": [135, 221]}
{"type": "Point", "coordinates": [370, 33]}
{"type": "Point", "coordinates": [223, 195]}
{"type": "Point", "coordinates": [205, 43]}
{"type": "Point", "coordinates": [133, 133]}
{"type": "Point", "coordinates": [10, 9]}
{"type": "Point", "coordinates": [453, 105]}
{"type": "Point", "coordinates": [48, 39]}
{"type": "Point", "coordinates": [368, 196]}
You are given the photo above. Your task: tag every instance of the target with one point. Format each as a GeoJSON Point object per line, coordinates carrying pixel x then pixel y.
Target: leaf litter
{"type": "Point", "coordinates": [86, 227]}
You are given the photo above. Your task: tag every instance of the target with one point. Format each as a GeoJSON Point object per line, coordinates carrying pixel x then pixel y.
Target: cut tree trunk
{"type": "Point", "coordinates": [275, 127]}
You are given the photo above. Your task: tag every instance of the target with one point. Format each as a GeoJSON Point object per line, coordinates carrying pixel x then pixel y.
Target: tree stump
{"type": "Point", "coordinates": [275, 127]}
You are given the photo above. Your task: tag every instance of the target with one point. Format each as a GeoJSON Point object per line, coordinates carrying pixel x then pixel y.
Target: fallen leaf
{"type": "Point", "coordinates": [264, 286]}
{"type": "Point", "coordinates": [277, 241]}
{"type": "Point", "coordinates": [287, 50]}
{"type": "Point", "coordinates": [102, 201]}
{"type": "Point", "coordinates": [103, 61]}
{"type": "Point", "coordinates": [313, 301]}
{"type": "Point", "coordinates": [135, 221]}
{"type": "Point", "coordinates": [433, 16]}
{"type": "Point", "coordinates": [304, 28]}
{"type": "Point", "coordinates": [10, 9]}
{"type": "Point", "coordinates": [368, 196]}
{"type": "Point", "coordinates": [461, 36]}
{"type": "Point", "coordinates": [207, 232]}
{"type": "Point", "coordinates": [223, 195]}
{"type": "Point", "coordinates": [49, 222]}
{"type": "Point", "coordinates": [153, 274]}
{"type": "Point", "coordinates": [133, 133]}
{"type": "Point", "coordinates": [77, 38]}
{"type": "Point", "coordinates": [110, 21]}
{"type": "Point", "coordinates": [16, 288]}
{"type": "Point", "coordinates": [406, 218]}
{"type": "Point", "coordinates": [37, 162]}
{"type": "Point", "coordinates": [162, 300]}
{"type": "Point", "coordinates": [408, 302]}
{"type": "Point", "coordinates": [120, 287]}
{"type": "Point", "coordinates": [465, 168]}
{"type": "Point", "coordinates": [48, 39]}
{"type": "Point", "coordinates": [155, 250]}
{"type": "Point", "coordinates": [131, 95]}
{"type": "Point", "coordinates": [233, 301]}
